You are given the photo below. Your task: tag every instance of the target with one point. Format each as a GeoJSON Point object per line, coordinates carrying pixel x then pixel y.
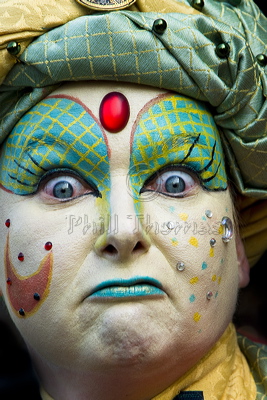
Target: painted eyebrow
{"type": "Point", "coordinates": [211, 161]}
{"type": "Point", "coordinates": [177, 142]}
{"type": "Point", "coordinates": [20, 182]}
{"type": "Point", "coordinates": [24, 168]}
{"type": "Point", "coordinates": [196, 139]}
{"type": "Point", "coordinates": [27, 169]}
{"type": "Point", "coordinates": [36, 163]}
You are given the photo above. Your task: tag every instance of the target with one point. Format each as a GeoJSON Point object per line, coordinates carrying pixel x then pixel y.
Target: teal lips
{"type": "Point", "coordinates": [128, 288]}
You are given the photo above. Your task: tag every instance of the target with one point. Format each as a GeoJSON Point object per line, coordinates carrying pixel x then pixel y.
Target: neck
{"type": "Point", "coordinates": [216, 373]}
{"type": "Point", "coordinates": [96, 386]}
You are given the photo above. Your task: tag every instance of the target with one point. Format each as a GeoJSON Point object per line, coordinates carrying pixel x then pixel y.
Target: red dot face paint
{"type": "Point", "coordinates": [114, 112]}
{"type": "Point", "coordinates": [7, 223]}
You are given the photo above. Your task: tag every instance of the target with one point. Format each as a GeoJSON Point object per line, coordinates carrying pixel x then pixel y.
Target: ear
{"type": "Point", "coordinates": [243, 265]}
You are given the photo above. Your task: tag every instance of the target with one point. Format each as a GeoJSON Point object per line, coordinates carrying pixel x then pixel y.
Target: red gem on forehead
{"type": "Point", "coordinates": [114, 112]}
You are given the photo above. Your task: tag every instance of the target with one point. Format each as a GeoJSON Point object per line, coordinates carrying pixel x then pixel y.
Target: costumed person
{"type": "Point", "coordinates": [132, 134]}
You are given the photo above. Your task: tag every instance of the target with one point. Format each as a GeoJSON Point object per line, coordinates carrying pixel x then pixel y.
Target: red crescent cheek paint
{"type": "Point", "coordinates": [27, 293]}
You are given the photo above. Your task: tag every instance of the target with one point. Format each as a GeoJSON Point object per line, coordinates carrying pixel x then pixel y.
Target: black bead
{"type": "Point", "coordinates": [13, 48]}
{"type": "Point", "coordinates": [262, 60]}
{"type": "Point", "coordinates": [222, 50]}
{"type": "Point", "coordinates": [198, 4]}
{"type": "Point", "coordinates": [159, 26]}
{"type": "Point", "coordinates": [234, 3]}
{"type": "Point", "coordinates": [21, 312]}
{"type": "Point", "coordinates": [36, 296]}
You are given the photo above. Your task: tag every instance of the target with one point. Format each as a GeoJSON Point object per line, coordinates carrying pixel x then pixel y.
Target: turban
{"type": "Point", "coordinates": [210, 50]}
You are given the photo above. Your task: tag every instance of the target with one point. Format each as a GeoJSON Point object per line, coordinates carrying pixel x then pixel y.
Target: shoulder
{"type": "Point", "coordinates": [256, 355]}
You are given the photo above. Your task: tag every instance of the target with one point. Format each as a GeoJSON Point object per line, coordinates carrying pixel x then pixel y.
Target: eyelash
{"type": "Point", "coordinates": [194, 175]}
{"type": "Point", "coordinates": [57, 176]}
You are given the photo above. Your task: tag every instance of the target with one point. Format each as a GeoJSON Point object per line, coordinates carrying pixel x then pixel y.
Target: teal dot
{"type": "Point", "coordinates": [216, 294]}
{"type": "Point", "coordinates": [192, 298]}
{"type": "Point", "coordinates": [204, 265]}
{"type": "Point", "coordinates": [204, 218]}
{"type": "Point", "coordinates": [172, 209]}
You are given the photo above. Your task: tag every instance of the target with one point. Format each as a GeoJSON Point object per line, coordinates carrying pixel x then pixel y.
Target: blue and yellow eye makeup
{"type": "Point", "coordinates": [58, 133]}
{"type": "Point", "coordinates": [181, 132]}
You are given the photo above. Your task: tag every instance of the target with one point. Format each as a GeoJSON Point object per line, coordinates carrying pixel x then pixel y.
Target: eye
{"type": "Point", "coordinates": [65, 187]}
{"type": "Point", "coordinates": [174, 183]}
{"type": "Point", "coordinates": [63, 190]}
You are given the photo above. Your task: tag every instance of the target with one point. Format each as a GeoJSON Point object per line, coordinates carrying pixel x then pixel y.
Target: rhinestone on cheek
{"type": "Point", "coordinates": [170, 225]}
{"type": "Point", "coordinates": [212, 242]}
{"type": "Point", "coordinates": [180, 266]}
{"type": "Point", "coordinates": [228, 229]}
{"type": "Point", "coordinates": [209, 295]}
{"type": "Point", "coordinates": [208, 213]}
{"type": "Point", "coordinates": [114, 112]}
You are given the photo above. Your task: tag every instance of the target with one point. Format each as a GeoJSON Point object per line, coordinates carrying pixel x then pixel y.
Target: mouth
{"type": "Point", "coordinates": [134, 287]}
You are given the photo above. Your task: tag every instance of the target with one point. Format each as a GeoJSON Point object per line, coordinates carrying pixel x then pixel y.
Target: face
{"type": "Point", "coordinates": [111, 229]}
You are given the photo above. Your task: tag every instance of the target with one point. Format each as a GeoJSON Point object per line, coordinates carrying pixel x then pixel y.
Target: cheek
{"type": "Point", "coordinates": [27, 283]}
{"type": "Point", "coordinates": [192, 242]}
{"type": "Point", "coordinates": [41, 253]}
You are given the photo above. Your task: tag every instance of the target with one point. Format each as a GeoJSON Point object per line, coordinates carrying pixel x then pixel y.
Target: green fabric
{"type": "Point", "coordinates": [256, 355]}
{"type": "Point", "coordinates": [122, 46]}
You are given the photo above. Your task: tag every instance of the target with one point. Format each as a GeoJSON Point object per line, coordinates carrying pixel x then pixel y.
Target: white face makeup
{"type": "Point", "coordinates": [113, 231]}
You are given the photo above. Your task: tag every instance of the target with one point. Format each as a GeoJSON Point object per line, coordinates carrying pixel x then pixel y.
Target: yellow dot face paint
{"type": "Point", "coordinates": [197, 317]}
{"type": "Point", "coordinates": [194, 280]}
{"type": "Point", "coordinates": [193, 241]}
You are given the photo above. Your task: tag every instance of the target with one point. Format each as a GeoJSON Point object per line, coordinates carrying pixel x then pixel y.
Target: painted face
{"type": "Point", "coordinates": [112, 242]}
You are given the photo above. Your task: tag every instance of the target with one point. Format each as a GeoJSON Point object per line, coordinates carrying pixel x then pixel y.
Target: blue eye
{"type": "Point", "coordinates": [173, 182]}
{"type": "Point", "coordinates": [63, 190]}
{"type": "Point", "coordinates": [62, 187]}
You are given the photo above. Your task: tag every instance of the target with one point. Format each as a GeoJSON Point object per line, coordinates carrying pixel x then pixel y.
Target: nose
{"type": "Point", "coordinates": [124, 238]}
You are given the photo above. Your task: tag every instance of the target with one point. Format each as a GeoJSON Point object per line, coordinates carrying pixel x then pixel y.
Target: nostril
{"type": "Point", "coordinates": [110, 249]}
{"type": "Point", "coordinates": [138, 247]}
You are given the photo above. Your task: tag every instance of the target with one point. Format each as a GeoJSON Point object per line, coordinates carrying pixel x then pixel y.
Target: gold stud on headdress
{"type": "Point", "coordinates": [106, 5]}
